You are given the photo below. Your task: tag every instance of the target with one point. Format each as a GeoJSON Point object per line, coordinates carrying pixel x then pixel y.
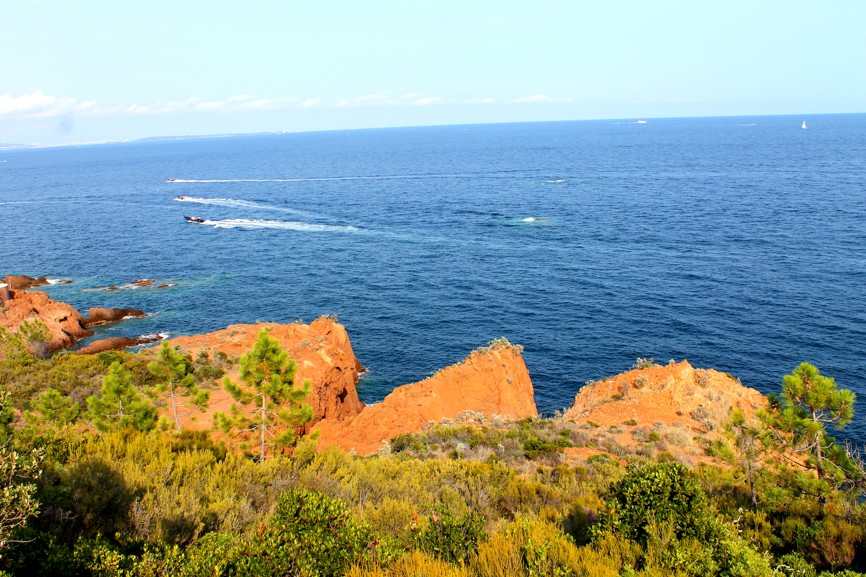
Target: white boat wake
{"type": "Point", "coordinates": [255, 223]}
{"type": "Point", "coordinates": [238, 203]}
{"type": "Point", "coordinates": [343, 178]}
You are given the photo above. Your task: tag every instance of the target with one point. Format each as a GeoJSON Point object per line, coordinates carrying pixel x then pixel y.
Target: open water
{"type": "Point", "coordinates": [735, 243]}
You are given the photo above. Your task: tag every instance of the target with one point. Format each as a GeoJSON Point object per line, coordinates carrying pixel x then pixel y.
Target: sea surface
{"type": "Point", "coordinates": [736, 243]}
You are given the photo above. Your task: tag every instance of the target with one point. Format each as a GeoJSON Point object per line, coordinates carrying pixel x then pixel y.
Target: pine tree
{"type": "Point", "coordinates": [809, 402]}
{"type": "Point", "coordinates": [175, 373]}
{"type": "Point", "coordinates": [54, 407]}
{"type": "Point", "coordinates": [119, 404]}
{"type": "Point", "coordinates": [268, 375]}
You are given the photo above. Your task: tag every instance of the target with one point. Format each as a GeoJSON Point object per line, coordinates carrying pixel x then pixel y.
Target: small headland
{"type": "Point", "coordinates": [52, 325]}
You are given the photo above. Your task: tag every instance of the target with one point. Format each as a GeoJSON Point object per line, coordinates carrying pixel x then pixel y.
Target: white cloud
{"type": "Point", "coordinates": [428, 100]}
{"type": "Point", "coordinates": [265, 103]}
{"type": "Point", "coordinates": [209, 106]}
{"type": "Point", "coordinates": [137, 109]}
{"type": "Point", "coordinates": [380, 99]}
{"type": "Point", "coordinates": [37, 104]}
{"type": "Point", "coordinates": [540, 98]}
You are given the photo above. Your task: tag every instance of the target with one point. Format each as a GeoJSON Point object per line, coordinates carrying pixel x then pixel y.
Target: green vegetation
{"type": "Point", "coordinates": [119, 404]}
{"type": "Point", "coordinates": [90, 486]}
{"type": "Point", "coordinates": [175, 372]}
{"type": "Point", "coordinates": [17, 501]}
{"type": "Point", "coordinates": [809, 402]}
{"type": "Point", "coordinates": [269, 375]}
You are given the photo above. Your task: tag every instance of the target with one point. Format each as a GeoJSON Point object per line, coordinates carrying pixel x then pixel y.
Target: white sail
{"type": "Point", "coordinates": [804, 127]}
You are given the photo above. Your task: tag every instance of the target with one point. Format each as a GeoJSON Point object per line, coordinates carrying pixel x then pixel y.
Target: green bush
{"type": "Point", "coordinates": [450, 538]}
{"type": "Point", "coordinates": [309, 535]}
{"type": "Point", "coordinates": [662, 493]}
{"type": "Point", "coordinates": [216, 555]}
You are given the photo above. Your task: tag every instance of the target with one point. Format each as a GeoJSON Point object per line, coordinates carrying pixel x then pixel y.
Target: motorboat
{"type": "Point", "coordinates": [171, 180]}
{"type": "Point", "coordinates": [197, 219]}
{"type": "Point", "coordinates": [181, 197]}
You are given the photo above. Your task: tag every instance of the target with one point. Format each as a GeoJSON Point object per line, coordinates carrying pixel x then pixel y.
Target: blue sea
{"type": "Point", "coordinates": [736, 243]}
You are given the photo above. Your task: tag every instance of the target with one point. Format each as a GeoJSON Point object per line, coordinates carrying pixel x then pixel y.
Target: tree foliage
{"type": "Point", "coordinates": [119, 404]}
{"type": "Point", "coordinates": [268, 376]}
{"type": "Point", "coordinates": [175, 374]}
{"type": "Point", "coordinates": [55, 408]}
{"type": "Point", "coordinates": [810, 401]}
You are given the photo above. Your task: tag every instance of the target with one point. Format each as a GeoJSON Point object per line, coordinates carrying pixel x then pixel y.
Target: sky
{"type": "Point", "coordinates": [93, 70]}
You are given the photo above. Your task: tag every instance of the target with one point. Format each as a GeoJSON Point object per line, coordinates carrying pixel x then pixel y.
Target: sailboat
{"type": "Point", "coordinates": [804, 127]}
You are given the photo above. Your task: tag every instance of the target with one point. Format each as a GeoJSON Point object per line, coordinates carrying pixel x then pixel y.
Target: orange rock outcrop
{"type": "Point", "coordinates": [116, 343]}
{"type": "Point", "coordinates": [65, 324]}
{"type": "Point", "coordinates": [16, 282]}
{"type": "Point", "coordinates": [677, 398]}
{"type": "Point", "coordinates": [321, 350]}
{"type": "Point", "coordinates": [493, 381]}
{"type": "Point", "coordinates": [99, 316]}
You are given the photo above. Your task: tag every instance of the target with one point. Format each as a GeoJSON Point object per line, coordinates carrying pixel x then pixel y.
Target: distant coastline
{"type": "Point", "coordinates": [635, 120]}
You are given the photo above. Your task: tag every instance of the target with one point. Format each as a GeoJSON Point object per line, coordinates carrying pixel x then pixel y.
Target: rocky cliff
{"type": "Point", "coordinates": [65, 324]}
{"type": "Point", "coordinates": [492, 380]}
{"type": "Point", "coordinates": [681, 405]}
{"type": "Point", "coordinates": [321, 349]}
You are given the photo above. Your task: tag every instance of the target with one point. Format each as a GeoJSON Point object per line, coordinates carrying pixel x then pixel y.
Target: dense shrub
{"type": "Point", "coordinates": [664, 493]}
{"type": "Point", "coordinates": [309, 535]}
{"type": "Point", "coordinates": [450, 538]}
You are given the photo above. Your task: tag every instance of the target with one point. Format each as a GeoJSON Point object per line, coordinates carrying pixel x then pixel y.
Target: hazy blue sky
{"type": "Point", "coordinates": [92, 70]}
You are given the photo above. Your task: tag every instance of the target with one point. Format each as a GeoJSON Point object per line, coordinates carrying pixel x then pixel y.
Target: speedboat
{"type": "Point", "coordinates": [171, 180]}
{"type": "Point", "coordinates": [181, 197]}
{"type": "Point", "coordinates": [197, 219]}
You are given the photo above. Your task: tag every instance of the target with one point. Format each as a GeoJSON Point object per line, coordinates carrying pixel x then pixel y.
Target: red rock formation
{"type": "Point", "coordinates": [25, 282]}
{"type": "Point", "coordinates": [115, 343]}
{"type": "Point", "coordinates": [100, 316]}
{"type": "Point", "coordinates": [321, 349]}
{"type": "Point", "coordinates": [676, 393]}
{"type": "Point", "coordinates": [683, 406]}
{"type": "Point", "coordinates": [493, 381]}
{"type": "Point", "coordinates": [65, 324]}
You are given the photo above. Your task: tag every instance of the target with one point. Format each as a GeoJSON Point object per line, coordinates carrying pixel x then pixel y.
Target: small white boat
{"type": "Point", "coordinates": [804, 127]}
{"type": "Point", "coordinates": [196, 219]}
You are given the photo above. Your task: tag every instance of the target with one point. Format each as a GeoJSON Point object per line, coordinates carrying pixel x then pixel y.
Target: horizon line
{"type": "Point", "coordinates": [167, 137]}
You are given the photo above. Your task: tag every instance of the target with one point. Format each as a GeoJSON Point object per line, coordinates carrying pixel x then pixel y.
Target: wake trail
{"type": "Point", "coordinates": [349, 178]}
{"type": "Point", "coordinates": [238, 203]}
{"type": "Point", "coordinates": [255, 224]}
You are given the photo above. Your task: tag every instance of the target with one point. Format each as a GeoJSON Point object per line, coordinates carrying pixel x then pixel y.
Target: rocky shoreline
{"type": "Point", "coordinates": [65, 325]}
{"type": "Point", "coordinates": [492, 384]}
